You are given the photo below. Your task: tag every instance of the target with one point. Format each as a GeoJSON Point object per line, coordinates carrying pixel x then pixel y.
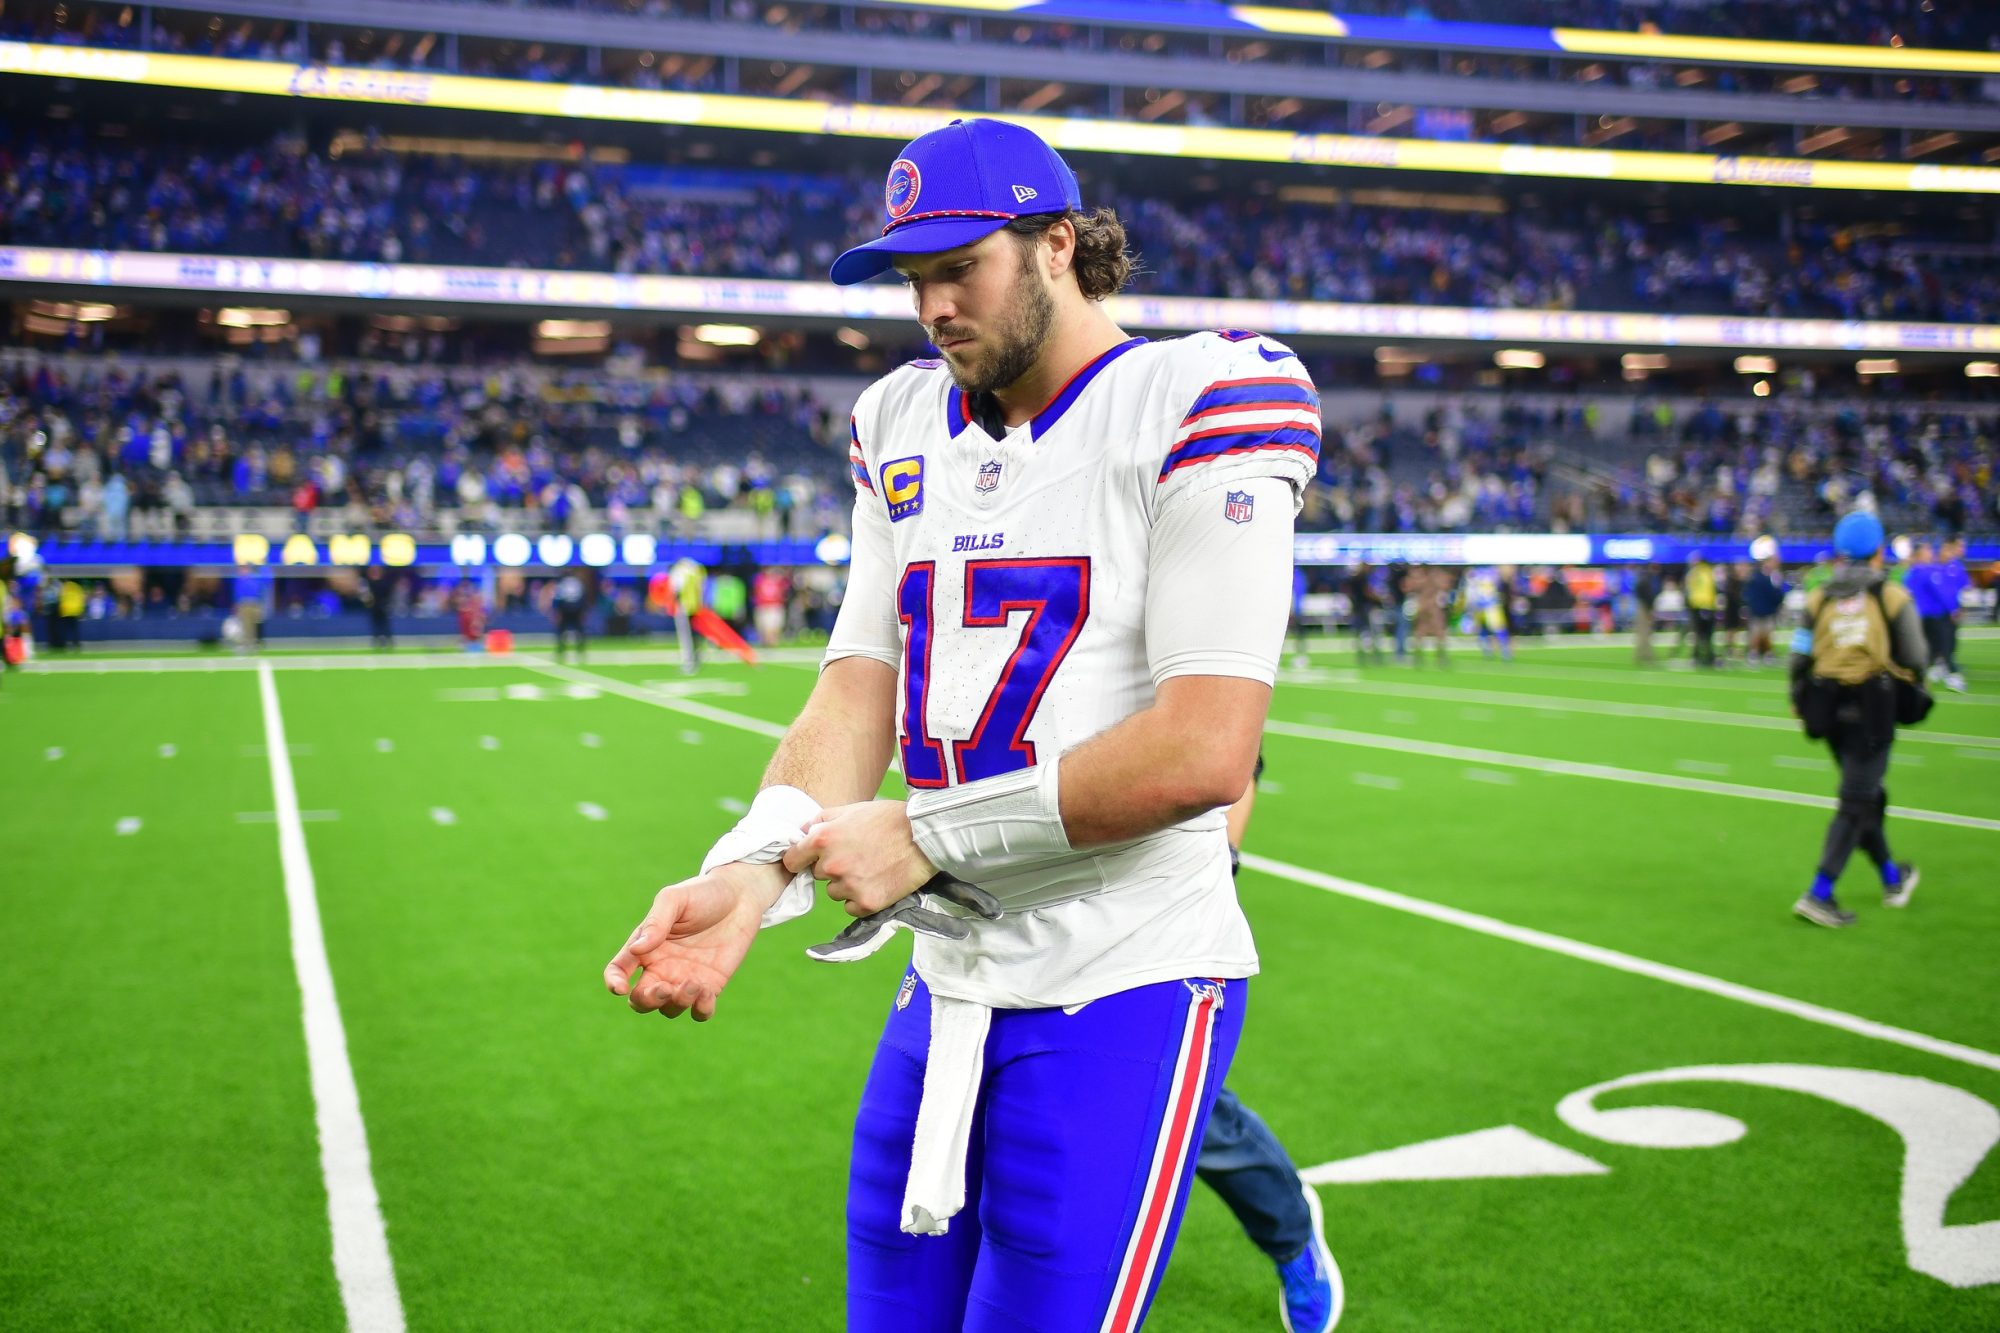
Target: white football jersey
{"type": "Point", "coordinates": [1033, 590]}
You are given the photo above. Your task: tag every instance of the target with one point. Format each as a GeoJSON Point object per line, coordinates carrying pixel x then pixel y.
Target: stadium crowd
{"type": "Point", "coordinates": [1746, 471]}
{"type": "Point", "coordinates": [394, 450]}
{"type": "Point", "coordinates": [285, 200]}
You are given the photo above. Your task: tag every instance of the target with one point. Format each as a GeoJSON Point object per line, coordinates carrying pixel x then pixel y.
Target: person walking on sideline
{"type": "Point", "coordinates": [1858, 636]}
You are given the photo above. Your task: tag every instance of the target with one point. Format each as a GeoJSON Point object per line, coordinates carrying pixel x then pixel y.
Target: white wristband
{"type": "Point", "coordinates": [775, 820]}
{"type": "Point", "coordinates": [992, 826]}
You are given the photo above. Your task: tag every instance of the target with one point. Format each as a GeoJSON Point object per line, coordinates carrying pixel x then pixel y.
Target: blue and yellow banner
{"type": "Point", "coordinates": [898, 124]}
{"type": "Point", "coordinates": [1505, 37]}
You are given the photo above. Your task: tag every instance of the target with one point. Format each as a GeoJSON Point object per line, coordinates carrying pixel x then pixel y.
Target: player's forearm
{"type": "Point", "coordinates": [1157, 768]}
{"type": "Point", "coordinates": [838, 749]}
{"type": "Point", "coordinates": [834, 753]}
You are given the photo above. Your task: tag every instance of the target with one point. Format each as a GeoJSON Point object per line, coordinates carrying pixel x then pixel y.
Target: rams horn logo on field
{"type": "Point", "coordinates": [903, 487]}
{"type": "Point", "coordinates": [905, 181]}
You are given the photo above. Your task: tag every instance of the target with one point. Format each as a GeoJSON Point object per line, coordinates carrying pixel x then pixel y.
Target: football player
{"type": "Point", "coordinates": [1072, 559]}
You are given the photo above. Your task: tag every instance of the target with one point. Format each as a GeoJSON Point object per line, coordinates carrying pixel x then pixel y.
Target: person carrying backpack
{"type": "Point", "coordinates": [1857, 667]}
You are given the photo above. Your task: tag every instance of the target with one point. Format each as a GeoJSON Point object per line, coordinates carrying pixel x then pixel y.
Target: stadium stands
{"type": "Point", "coordinates": [286, 198]}
{"type": "Point", "coordinates": [417, 450]}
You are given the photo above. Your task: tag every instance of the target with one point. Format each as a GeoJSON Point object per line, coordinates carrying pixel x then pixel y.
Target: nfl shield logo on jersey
{"type": "Point", "coordinates": [1237, 506]}
{"type": "Point", "coordinates": [989, 476]}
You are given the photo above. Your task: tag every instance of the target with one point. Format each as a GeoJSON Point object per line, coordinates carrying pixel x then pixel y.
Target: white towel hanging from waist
{"type": "Point", "coordinates": [936, 1188]}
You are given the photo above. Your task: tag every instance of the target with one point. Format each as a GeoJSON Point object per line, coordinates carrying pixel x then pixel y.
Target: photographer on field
{"type": "Point", "coordinates": [1858, 661]}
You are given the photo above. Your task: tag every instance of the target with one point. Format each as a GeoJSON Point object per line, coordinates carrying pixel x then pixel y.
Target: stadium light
{"type": "Point", "coordinates": [562, 330]}
{"type": "Point", "coordinates": [1756, 365]}
{"type": "Point", "coordinates": [1518, 358]}
{"type": "Point", "coordinates": [853, 337]}
{"type": "Point", "coordinates": [728, 335]}
{"type": "Point", "coordinates": [251, 317]}
{"type": "Point", "coordinates": [1883, 365]}
{"type": "Point", "coordinates": [1643, 361]}
{"type": "Point", "coordinates": [1982, 370]}
{"type": "Point", "coordinates": [1762, 388]}
{"type": "Point", "coordinates": [1397, 362]}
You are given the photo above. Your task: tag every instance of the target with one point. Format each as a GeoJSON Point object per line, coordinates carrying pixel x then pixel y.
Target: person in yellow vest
{"type": "Point", "coordinates": [1699, 590]}
{"type": "Point", "coordinates": [1858, 643]}
{"type": "Point", "coordinates": [70, 603]}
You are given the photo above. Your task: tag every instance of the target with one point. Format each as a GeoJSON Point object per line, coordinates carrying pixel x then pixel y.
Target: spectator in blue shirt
{"type": "Point", "coordinates": [1763, 597]}
{"type": "Point", "coordinates": [1948, 581]}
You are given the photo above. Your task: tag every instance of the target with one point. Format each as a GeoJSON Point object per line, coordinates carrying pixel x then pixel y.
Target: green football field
{"type": "Point", "coordinates": [1479, 895]}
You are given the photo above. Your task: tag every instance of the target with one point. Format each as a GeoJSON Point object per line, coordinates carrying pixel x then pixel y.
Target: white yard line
{"type": "Point", "coordinates": [688, 707]}
{"type": "Point", "coordinates": [1768, 684]}
{"type": "Point", "coordinates": [1625, 962]}
{"type": "Point", "coordinates": [360, 1240]}
{"type": "Point", "coordinates": [1602, 772]}
{"type": "Point", "coordinates": [1613, 708]}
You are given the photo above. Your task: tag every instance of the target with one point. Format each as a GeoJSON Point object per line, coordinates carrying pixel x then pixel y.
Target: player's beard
{"type": "Point", "coordinates": [1011, 348]}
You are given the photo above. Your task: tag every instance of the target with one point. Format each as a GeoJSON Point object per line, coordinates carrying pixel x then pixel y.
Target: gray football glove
{"type": "Point", "coordinates": [918, 913]}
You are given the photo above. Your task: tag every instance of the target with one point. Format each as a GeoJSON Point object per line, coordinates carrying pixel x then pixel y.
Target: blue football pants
{"type": "Point", "coordinates": [1083, 1148]}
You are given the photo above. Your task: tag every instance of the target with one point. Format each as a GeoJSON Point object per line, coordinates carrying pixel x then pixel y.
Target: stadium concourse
{"type": "Point", "coordinates": [352, 353]}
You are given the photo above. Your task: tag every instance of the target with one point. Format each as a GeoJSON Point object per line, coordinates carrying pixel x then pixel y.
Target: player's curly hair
{"type": "Point", "coordinates": [1104, 263]}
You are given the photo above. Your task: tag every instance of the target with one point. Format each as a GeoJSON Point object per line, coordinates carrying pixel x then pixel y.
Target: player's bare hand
{"type": "Point", "coordinates": [865, 853]}
{"type": "Point", "coordinates": [693, 940]}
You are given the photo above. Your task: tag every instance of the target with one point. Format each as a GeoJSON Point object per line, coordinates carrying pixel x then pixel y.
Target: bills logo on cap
{"type": "Point", "coordinates": [905, 181]}
{"type": "Point", "coordinates": [989, 475]}
{"type": "Point", "coordinates": [1237, 506]}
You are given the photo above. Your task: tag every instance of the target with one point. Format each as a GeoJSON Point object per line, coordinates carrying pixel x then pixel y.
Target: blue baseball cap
{"type": "Point", "coordinates": [957, 185]}
{"type": "Point", "coordinates": [1858, 536]}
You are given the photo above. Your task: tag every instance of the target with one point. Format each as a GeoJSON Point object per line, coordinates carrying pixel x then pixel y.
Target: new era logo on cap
{"type": "Point", "coordinates": [1023, 193]}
